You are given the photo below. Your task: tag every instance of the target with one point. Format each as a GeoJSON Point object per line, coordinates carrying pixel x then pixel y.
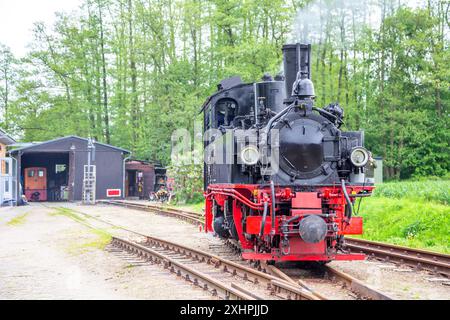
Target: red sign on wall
{"type": "Point", "coordinates": [111, 193]}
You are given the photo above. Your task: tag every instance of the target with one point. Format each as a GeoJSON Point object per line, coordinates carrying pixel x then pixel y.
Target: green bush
{"type": "Point", "coordinates": [188, 182]}
{"type": "Point", "coordinates": [429, 190]}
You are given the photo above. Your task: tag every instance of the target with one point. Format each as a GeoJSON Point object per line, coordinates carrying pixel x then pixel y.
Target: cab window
{"type": "Point", "coordinates": [225, 111]}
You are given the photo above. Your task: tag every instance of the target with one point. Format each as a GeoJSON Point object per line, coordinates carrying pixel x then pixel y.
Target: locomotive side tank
{"type": "Point", "coordinates": [285, 186]}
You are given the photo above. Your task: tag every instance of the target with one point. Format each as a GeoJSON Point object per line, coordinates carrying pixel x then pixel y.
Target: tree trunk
{"type": "Point", "coordinates": [104, 76]}
{"type": "Point", "coordinates": [134, 99]}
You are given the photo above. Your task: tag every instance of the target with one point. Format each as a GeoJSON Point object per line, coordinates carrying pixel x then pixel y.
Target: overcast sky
{"type": "Point", "coordinates": [17, 18]}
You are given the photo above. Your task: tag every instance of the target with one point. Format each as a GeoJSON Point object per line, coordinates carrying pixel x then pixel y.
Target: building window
{"type": "Point", "coordinates": [30, 173]}
{"type": "Point", "coordinates": [41, 173]}
{"type": "Point", "coordinates": [60, 168]}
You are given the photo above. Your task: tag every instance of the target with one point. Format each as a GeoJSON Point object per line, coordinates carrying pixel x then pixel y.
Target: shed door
{"type": "Point", "coordinates": [6, 177]}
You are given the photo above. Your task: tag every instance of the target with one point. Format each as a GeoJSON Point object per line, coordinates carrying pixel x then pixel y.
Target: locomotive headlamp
{"type": "Point", "coordinates": [250, 155]}
{"type": "Point", "coordinates": [359, 156]}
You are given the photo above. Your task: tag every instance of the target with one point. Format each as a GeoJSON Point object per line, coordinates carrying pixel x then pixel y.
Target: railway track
{"type": "Point", "coordinates": [419, 259]}
{"type": "Point", "coordinates": [339, 284]}
{"type": "Point", "coordinates": [434, 262]}
{"type": "Point", "coordinates": [221, 277]}
{"type": "Point", "coordinates": [260, 281]}
{"type": "Point", "coordinates": [190, 217]}
{"type": "Point", "coordinates": [330, 276]}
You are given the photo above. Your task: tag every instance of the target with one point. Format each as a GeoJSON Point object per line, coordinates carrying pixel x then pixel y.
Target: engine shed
{"type": "Point", "coordinates": [55, 170]}
{"type": "Point", "coordinates": [143, 178]}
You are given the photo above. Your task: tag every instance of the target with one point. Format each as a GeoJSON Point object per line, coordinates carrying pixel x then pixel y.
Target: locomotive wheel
{"type": "Point", "coordinates": [219, 229]}
{"type": "Point", "coordinates": [233, 231]}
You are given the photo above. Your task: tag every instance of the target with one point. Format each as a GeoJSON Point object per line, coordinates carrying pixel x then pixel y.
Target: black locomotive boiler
{"type": "Point", "coordinates": [280, 174]}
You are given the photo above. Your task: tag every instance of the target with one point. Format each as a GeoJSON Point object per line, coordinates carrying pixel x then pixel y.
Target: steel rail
{"type": "Point", "coordinates": [423, 259]}
{"type": "Point", "coordinates": [188, 217]}
{"type": "Point", "coordinates": [155, 207]}
{"type": "Point", "coordinates": [216, 287]}
{"type": "Point", "coordinates": [270, 282]}
{"type": "Point", "coordinates": [355, 285]}
{"type": "Point", "coordinates": [275, 271]}
{"type": "Point", "coordinates": [420, 259]}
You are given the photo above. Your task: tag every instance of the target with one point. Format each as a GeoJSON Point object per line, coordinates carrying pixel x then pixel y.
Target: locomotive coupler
{"type": "Point", "coordinates": [285, 245]}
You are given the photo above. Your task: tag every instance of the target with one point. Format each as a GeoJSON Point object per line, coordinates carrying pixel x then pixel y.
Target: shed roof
{"type": "Point", "coordinates": [37, 146]}
{"type": "Point", "coordinates": [6, 138]}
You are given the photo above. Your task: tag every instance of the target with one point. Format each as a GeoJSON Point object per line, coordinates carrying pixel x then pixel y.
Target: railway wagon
{"type": "Point", "coordinates": [36, 184]}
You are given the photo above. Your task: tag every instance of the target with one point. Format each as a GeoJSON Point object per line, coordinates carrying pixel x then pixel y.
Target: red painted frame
{"type": "Point", "coordinates": [253, 196]}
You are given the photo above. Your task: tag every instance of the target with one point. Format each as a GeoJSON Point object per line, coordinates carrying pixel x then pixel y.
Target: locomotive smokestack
{"type": "Point", "coordinates": [296, 57]}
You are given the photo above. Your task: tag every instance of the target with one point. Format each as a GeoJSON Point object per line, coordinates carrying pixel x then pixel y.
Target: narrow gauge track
{"type": "Point", "coordinates": [190, 217]}
{"type": "Point", "coordinates": [355, 287]}
{"type": "Point", "coordinates": [420, 259]}
{"type": "Point", "coordinates": [329, 277]}
{"type": "Point", "coordinates": [221, 277]}
{"type": "Point", "coordinates": [204, 270]}
{"type": "Point", "coordinates": [434, 262]}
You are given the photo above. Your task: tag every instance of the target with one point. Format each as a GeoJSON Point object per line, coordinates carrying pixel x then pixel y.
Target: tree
{"type": "Point", "coordinates": [7, 80]}
{"type": "Point", "coordinates": [129, 72]}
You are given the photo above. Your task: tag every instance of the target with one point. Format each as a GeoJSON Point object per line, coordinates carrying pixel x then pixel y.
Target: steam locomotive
{"type": "Point", "coordinates": [280, 176]}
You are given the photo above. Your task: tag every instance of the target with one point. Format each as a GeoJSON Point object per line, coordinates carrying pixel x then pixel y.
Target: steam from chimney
{"type": "Point", "coordinates": [321, 16]}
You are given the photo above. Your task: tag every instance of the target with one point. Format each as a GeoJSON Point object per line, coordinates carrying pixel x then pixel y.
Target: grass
{"type": "Point", "coordinates": [429, 190]}
{"type": "Point", "coordinates": [79, 246]}
{"type": "Point", "coordinates": [101, 239]}
{"type": "Point", "coordinates": [19, 220]}
{"type": "Point", "coordinates": [67, 213]}
{"type": "Point", "coordinates": [408, 221]}
{"type": "Point", "coordinates": [194, 207]}
{"type": "Point", "coordinates": [410, 213]}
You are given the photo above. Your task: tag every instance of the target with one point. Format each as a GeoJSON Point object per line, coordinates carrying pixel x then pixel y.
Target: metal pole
{"type": "Point", "coordinates": [88, 171]}
{"type": "Point", "coordinates": [90, 148]}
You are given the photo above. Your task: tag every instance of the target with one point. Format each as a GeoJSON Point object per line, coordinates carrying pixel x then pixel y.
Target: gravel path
{"type": "Point", "coordinates": [48, 256]}
{"type": "Point", "coordinates": [399, 283]}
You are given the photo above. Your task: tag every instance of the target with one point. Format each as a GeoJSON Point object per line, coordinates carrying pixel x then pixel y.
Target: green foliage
{"type": "Point", "coordinates": [406, 122]}
{"type": "Point", "coordinates": [130, 72]}
{"type": "Point", "coordinates": [413, 222]}
{"type": "Point", "coordinates": [428, 190]}
{"type": "Point", "coordinates": [411, 213]}
{"type": "Point", "coordinates": [188, 176]}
